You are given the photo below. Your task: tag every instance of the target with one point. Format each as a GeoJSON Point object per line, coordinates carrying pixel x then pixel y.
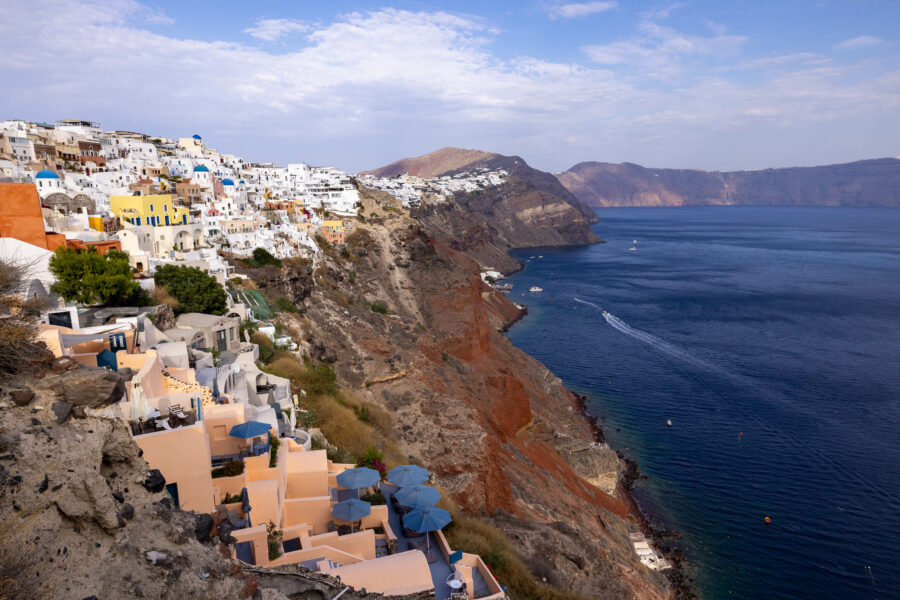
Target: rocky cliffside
{"type": "Point", "coordinates": [83, 517]}
{"type": "Point", "coordinates": [862, 183]}
{"type": "Point", "coordinates": [530, 209]}
{"type": "Point", "coordinates": [499, 432]}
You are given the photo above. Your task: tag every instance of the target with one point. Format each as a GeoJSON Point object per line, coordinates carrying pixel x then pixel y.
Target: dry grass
{"type": "Point", "coordinates": [18, 556]}
{"type": "Point", "coordinates": [473, 535]}
{"type": "Point", "coordinates": [161, 295]}
{"type": "Point", "coordinates": [347, 421]}
{"type": "Point", "coordinates": [18, 348]}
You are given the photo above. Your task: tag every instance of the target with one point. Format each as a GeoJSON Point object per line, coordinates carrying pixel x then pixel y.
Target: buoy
{"type": "Point", "coordinates": [768, 520]}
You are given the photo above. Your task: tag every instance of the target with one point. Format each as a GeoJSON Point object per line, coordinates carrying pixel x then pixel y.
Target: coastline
{"type": "Point", "coordinates": [666, 540]}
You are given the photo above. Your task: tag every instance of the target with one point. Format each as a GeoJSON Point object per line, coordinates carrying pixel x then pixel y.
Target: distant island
{"type": "Point", "coordinates": [863, 183]}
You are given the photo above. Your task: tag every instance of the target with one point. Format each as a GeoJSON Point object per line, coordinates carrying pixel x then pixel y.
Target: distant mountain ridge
{"type": "Point", "coordinates": [873, 182]}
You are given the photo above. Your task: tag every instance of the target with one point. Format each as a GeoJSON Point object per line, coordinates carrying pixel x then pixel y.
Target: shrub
{"type": "Point", "coordinates": [90, 278]}
{"type": "Point", "coordinates": [236, 281]}
{"type": "Point", "coordinates": [378, 307]}
{"type": "Point", "coordinates": [273, 538]}
{"type": "Point", "coordinates": [261, 258]}
{"type": "Point", "coordinates": [231, 498]}
{"type": "Point", "coordinates": [375, 498]}
{"type": "Point", "coordinates": [274, 443]}
{"type": "Point", "coordinates": [317, 442]}
{"type": "Point", "coordinates": [285, 305]}
{"type": "Point", "coordinates": [373, 459]}
{"type": "Point", "coordinates": [195, 290]}
{"type": "Point", "coordinates": [232, 468]}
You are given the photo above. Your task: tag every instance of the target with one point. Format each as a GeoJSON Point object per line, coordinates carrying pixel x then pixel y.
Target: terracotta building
{"type": "Point", "coordinates": [21, 218]}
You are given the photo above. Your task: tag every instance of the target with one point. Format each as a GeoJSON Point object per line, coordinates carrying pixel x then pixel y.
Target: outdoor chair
{"type": "Point", "coordinates": [456, 584]}
{"type": "Point", "coordinates": [175, 409]}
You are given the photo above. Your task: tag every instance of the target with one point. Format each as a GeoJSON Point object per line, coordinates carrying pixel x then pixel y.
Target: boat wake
{"type": "Point", "coordinates": [653, 341]}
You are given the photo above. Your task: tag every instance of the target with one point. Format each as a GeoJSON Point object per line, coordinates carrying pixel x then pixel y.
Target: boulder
{"type": "Point", "coordinates": [164, 317]}
{"type": "Point", "coordinates": [203, 527]}
{"type": "Point", "coordinates": [155, 482]}
{"type": "Point", "coordinates": [21, 396]}
{"type": "Point", "coordinates": [90, 387]}
{"type": "Point", "coordinates": [127, 512]}
{"type": "Point", "coordinates": [62, 410]}
{"type": "Point", "coordinates": [62, 364]}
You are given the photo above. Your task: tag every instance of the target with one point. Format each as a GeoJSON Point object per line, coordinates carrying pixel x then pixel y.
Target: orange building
{"type": "Point", "coordinates": [21, 218]}
{"type": "Point", "coordinates": [101, 246]}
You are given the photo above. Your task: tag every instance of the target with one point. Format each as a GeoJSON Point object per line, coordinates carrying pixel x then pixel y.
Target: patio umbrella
{"type": "Point", "coordinates": [425, 519]}
{"type": "Point", "coordinates": [351, 510]}
{"type": "Point", "coordinates": [416, 496]}
{"type": "Point", "coordinates": [406, 475]}
{"type": "Point", "coordinates": [249, 429]}
{"type": "Point", "coordinates": [360, 477]}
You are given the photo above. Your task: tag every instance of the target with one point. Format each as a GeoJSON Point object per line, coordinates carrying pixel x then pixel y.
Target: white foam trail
{"type": "Point", "coordinates": [652, 340]}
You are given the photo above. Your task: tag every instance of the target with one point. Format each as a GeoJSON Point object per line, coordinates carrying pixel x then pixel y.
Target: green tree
{"type": "Point", "coordinates": [195, 290]}
{"type": "Point", "coordinates": [92, 279]}
{"type": "Point", "coordinates": [262, 257]}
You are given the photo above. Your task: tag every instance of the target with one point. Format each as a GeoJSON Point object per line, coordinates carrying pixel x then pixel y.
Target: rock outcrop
{"type": "Point", "coordinates": [862, 183]}
{"type": "Point", "coordinates": [530, 209]}
{"type": "Point", "coordinates": [432, 164]}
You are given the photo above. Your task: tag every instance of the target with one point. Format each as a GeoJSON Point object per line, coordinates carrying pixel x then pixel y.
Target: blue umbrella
{"type": "Point", "coordinates": [417, 496]}
{"type": "Point", "coordinates": [250, 429]}
{"type": "Point", "coordinates": [406, 475]}
{"type": "Point", "coordinates": [426, 518]}
{"type": "Point", "coordinates": [360, 477]}
{"type": "Point", "coordinates": [351, 510]}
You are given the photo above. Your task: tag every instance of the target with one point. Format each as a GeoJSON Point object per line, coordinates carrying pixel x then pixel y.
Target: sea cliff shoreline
{"type": "Point", "coordinates": [666, 540]}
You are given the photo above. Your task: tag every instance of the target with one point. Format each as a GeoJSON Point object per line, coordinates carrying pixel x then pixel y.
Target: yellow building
{"type": "Point", "coordinates": [148, 210]}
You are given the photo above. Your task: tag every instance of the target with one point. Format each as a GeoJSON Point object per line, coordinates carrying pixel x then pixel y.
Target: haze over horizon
{"type": "Point", "coordinates": [706, 85]}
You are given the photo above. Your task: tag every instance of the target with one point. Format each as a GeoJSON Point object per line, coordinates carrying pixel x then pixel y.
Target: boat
{"type": "Point", "coordinates": [605, 314]}
{"type": "Point", "coordinates": [632, 249]}
{"type": "Point", "coordinates": [669, 422]}
{"type": "Point", "coordinates": [535, 289]}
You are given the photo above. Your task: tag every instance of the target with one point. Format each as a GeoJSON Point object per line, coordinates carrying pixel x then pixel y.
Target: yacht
{"type": "Point", "coordinates": [535, 289]}
{"type": "Point", "coordinates": [669, 422]}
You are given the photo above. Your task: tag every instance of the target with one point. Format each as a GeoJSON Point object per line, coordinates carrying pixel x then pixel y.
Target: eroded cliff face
{"type": "Point", "coordinates": [494, 426]}
{"type": "Point", "coordinates": [862, 183]}
{"type": "Point", "coordinates": [530, 209]}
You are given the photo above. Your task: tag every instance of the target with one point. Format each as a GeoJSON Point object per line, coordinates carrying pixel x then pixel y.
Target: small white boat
{"type": "Point", "coordinates": [669, 422]}
{"type": "Point", "coordinates": [541, 256]}
{"type": "Point", "coordinates": [535, 289]}
{"type": "Point", "coordinates": [632, 249]}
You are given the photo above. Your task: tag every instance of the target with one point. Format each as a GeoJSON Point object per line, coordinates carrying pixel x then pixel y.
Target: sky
{"type": "Point", "coordinates": [716, 85]}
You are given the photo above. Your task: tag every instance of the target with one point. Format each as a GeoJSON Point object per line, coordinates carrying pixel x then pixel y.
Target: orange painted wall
{"type": "Point", "coordinates": [20, 214]}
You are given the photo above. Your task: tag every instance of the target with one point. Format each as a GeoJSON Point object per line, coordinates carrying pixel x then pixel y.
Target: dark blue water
{"type": "Point", "coordinates": [779, 323]}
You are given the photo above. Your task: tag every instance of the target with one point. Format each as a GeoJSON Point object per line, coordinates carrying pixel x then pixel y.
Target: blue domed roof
{"type": "Point", "coordinates": [46, 174]}
{"type": "Point", "coordinates": [227, 182]}
{"type": "Point", "coordinates": [196, 137]}
{"type": "Point", "coordinates": [242, 181]}
{"type": "Point", "coordinates": [201, 169]}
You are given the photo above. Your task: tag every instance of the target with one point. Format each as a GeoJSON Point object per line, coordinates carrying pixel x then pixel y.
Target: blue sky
{"type": "Point", "coordinates": [704, 84]}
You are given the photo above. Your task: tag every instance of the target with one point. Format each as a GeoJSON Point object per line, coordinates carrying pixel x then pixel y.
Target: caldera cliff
{"type": "Point", "coordinates": [862, 183]}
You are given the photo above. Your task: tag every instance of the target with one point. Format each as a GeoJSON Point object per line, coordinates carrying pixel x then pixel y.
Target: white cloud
{"type": "Point", "coordinates": [660, 52]}
{"type": "Point", "coordinates": [271, 30]}
{"type": "Point", "coordinates": [369, 87]}
{"type": "Point", "coordinates": [579, 9]}
{"type": "Point", "coordinates": [662, 12]}
{"type": "Point", "coordinates": [862, 41]}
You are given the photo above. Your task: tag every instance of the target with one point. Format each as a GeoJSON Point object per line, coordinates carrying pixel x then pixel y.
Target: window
{"type": "Point", "coordinates": [165, 208]}
{"type": "Point", "coordinates": [231, 334]}
{"type": "Point", "coordinates": [219, 432]}
{"type": "Point", "coordinates": [151, 208]}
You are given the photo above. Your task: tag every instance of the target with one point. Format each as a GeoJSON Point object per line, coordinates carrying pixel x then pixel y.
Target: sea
{"type": "Point", "coordinates": [770, 338]}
